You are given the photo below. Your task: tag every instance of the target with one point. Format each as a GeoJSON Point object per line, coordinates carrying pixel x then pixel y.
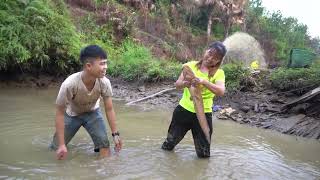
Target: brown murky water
{"type": "Point", "coordinates": [238, 151]}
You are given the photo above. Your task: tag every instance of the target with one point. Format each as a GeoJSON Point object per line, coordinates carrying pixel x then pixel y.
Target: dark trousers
{"type": "Point", "coordinates": [182, 121]}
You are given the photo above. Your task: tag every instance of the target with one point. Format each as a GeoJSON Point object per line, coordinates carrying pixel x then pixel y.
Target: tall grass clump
{"type": "Point", "coordinates": [160, 70]}
{"type": "Point", "coordinates": [288, 79]}
{"type": "Point", "coordinates": [135, 62]}
{"type": "Point", "coordinates": [37, 35]}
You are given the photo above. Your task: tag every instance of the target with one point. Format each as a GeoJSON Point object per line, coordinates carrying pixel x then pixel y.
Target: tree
{"type": "Point", "coordinates": [277, 34]}
{"type": "Point", "coordinates": [229, 12]}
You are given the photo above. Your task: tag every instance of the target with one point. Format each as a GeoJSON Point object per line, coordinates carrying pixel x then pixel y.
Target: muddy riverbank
{"type": "Point", "coordinates": [255, 106]}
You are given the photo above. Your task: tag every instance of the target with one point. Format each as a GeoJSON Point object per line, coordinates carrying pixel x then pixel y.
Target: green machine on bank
{"type": "Point", "coordinates": [300, 58]}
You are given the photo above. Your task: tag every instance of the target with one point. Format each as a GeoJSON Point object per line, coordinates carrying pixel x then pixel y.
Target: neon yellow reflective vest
{"type": "Point", "coordinates": [207, 95]}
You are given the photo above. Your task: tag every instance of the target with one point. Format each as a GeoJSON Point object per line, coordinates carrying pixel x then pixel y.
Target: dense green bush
{"type": "Point", "coordinates": [287, 79]}
{"type": "Point", "coordinates": [136, 62]}
{"type": "Point", "coordinates": [159, 70]}
{"type": "Point", "coordinates": [37, 35]}
{"type": "Point", "coordinates": [235, 74]}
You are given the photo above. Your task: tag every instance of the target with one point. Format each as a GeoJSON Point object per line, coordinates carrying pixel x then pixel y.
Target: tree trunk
{"type": "Point", "coordinates": [227, 27]}
{"type": "Point", "coordinates": [190, 16]}
{"type": "Point", "coordinates": [209, 28]}
{"type": "Point", "coordinates": [244, 24]}
{"type": "Point", "coordinates": [227, 20]}
{"type": "Point", "coordinates": [144, 8]}
{"type": "Point", "coordinates": [210, 14]}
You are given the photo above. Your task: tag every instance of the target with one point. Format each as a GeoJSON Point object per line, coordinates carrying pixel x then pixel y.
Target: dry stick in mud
{"type": "Point", "coordinates": [197, 100]}
{"type": "Point", "coordinates": [148, 97]}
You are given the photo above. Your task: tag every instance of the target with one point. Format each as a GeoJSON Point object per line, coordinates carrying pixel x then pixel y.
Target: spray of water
{"type": "Point", "coordinates": [241, 47]}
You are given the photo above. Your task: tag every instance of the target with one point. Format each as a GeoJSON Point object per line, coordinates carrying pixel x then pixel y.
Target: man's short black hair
{"type": "Point", "coordinates": [219, 46]}
{"type": "Point", "coordinates": [92, 51]}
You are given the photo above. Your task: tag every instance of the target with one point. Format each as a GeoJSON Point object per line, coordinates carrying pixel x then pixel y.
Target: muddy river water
{"type": "Point", "coordinates": [238, 151]}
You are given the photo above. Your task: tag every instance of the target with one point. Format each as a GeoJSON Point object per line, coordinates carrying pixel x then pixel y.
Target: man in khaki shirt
{"type": "Point", "coordinates": [77, 105]}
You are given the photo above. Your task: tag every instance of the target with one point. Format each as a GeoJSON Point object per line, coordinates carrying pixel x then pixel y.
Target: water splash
{"type": "Point", "coordinates": [244, 48]}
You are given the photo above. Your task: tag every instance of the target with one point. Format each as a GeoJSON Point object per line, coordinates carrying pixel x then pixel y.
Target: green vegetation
{"type": "Point", "coordinates": [136, 62]}
{"type": "Point", "coordinates": [279, 33]}
{"type": "Point", "coordinates": [235, 75]}
{"type": "Point", "coordinates": [37, 36]}
{"type": "Point", "coordinates": [288, 79]}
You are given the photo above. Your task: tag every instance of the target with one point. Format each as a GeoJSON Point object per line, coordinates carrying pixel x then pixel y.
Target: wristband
{"type": "Point", "coordinates": [115, 134]}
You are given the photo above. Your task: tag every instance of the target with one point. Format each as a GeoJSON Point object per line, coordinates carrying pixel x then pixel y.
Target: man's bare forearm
{"type": "Point", "coordinates": [60, 125]}
{"type": "Point", "coordinates": [111, 115]}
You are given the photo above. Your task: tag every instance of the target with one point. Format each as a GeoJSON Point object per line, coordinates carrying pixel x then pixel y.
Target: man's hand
{"type": "Point", "coordinates": [117, 142]}
{"type": "Point", "coordinates": [61, 152]}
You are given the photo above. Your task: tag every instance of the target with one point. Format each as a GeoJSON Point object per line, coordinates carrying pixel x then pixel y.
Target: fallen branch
{"type": "Point", "coordinates": [153, 95]}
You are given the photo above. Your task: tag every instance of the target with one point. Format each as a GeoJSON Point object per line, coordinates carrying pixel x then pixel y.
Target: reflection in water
{"type": "Point", "coordinates": [238, 151]}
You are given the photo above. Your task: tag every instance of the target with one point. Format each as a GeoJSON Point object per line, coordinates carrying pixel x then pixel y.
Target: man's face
{"type": "Point", "coordinates": [97, 67]}
{"type": "Point", "coordinates": [211, 58]}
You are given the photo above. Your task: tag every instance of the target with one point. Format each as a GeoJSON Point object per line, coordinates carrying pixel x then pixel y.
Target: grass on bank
{"type": "Point", "coordinates": [235, 75]}
{"type": "Point", "coordinates": [288, 79]}
{"type": "Point", "coordinates": [135, 62]}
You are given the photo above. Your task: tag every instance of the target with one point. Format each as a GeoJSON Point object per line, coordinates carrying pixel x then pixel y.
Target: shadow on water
{"type": "Point", "coordinates": [238, 151]}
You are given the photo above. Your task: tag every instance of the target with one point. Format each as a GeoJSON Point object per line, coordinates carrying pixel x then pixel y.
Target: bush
{"type": "Point", "coordinates": [235, 74]}
{"type": "Point", "coordinates": [286, 79]}
{"type": "Point", "coordinates": [136, 62]}
{"type": "Point", "coordinates": [35, 35]}
{"type": "Point", "coordinates": [160, 70]}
